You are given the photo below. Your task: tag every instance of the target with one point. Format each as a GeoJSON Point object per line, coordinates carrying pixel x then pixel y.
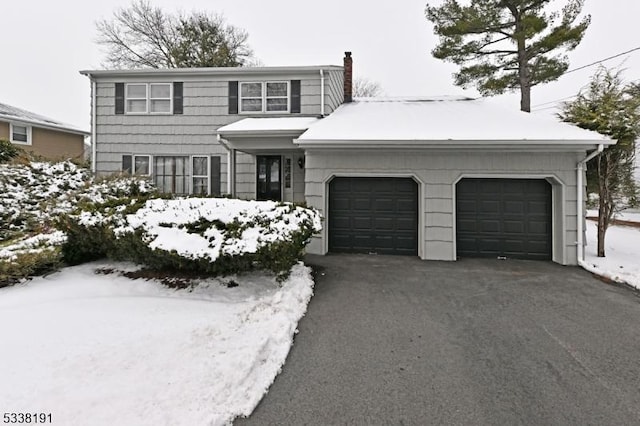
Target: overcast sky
{"type": "Point", "coordinates": [45, 43]}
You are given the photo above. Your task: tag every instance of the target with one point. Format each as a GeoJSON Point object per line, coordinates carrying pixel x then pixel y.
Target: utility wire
{"type": "Point", "coordinates": [602, 60]}
{"type": "Point", "coordinates": [578, 69]}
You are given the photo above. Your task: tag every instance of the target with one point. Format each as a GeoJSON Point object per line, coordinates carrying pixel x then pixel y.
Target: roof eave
{"type": "Point", "coordinates": [41, 125]}
{"type": "Point", "coordinates": [518, 144]}
{"type": "Point", "coordinates": [222, 71]}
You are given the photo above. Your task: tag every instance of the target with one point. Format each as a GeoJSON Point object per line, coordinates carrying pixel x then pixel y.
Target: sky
{"type": "Point", "coordinates": [46, 44]}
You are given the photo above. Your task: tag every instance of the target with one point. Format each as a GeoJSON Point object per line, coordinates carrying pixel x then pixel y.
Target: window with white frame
{"type": "Point", "coordinates": [141, 165]}
{"type": "Point", "coordinates": [269, 96]}
{"type": "Point", "coordinates": [200, 175]}
{"type": "Point", "coordinates": [159, 98]}
{"type": "Point", "coordinates": [20, 134]}
{"type": "Point", "coordinates": [143, 98]}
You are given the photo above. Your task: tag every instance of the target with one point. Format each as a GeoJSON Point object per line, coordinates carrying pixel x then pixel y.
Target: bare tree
{"type": "Point", "coordinates": [365, 88]}
{"type": "Point", "coordinates": [144, 36]}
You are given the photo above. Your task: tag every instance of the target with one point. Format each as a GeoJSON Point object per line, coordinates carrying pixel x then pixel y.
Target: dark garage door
{"type": "Point", "coordinates": [503, 217]}
{"type": "Point", "coordinates": [373, 215]}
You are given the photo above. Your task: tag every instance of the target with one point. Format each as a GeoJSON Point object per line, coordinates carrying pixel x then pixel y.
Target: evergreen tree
{"type": "Point", "coordinates": [611, 107]}
{"type": "Point", "coordinates": [505, 45]}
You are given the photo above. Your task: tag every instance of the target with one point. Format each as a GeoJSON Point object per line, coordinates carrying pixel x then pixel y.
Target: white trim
{"type": "Point", "coordinates": [94, 141]}
{"type": "Point", "coordinates": [28, 129]}
{"type": "Point", "coordinates": [421, 203]}
{"type": "Point", "coordinates": [555, 210]}
{"type": "Point", "coordinates": [448, 144]}
{"type": "Point", "coordinates": [148, 98]}
{"type": "Point", "coordinates": [133, 165]}
{"type": "Point", "coordinates": [208, 175]}
{"type": "Point", "coordinates": [264, 97]}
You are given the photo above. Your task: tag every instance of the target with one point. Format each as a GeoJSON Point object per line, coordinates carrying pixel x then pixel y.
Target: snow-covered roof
{"type": "Point", "coordinates": [11, 113]}
{"type": "Point", "coordinates": [440, 121]}
{"type": "Point", "coordinates": [269, 125]}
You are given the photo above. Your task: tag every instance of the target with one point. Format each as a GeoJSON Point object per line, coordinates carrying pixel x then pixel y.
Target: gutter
{"type": "Point", "coordinates": [94, 142]}
{"type": "Point", "coordinates": [580, 203]}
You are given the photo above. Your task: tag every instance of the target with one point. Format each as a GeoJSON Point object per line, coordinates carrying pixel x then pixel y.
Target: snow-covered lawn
{"type": "Point", "coordinates": [622, 249]}
{"type": "Point", "coordinates": [95, 349]}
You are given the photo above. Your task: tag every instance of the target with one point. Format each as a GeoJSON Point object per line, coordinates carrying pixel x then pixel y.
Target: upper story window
{"type": "Point", "coordinates": [20, 134]}
{"type": "Point", "coordinates": [145, 98]}
{"type": "Point", "coordinates": [269, 96]}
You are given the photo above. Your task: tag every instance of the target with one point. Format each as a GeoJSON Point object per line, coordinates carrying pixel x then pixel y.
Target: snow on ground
{"type": "Point", "coordinates": [632, 215]}
{"type": "Point", "coordinates": [105, 349]}
{"type": "Point", "coordinates": [622, 249]}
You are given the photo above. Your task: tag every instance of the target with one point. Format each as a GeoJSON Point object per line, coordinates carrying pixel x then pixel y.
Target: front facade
{"type": "Point", "coordinates": [438, 178]}
{"type": "Point", "coordinates": [164, 124]}
{"type": "Point", "coordinates": [42, 136]}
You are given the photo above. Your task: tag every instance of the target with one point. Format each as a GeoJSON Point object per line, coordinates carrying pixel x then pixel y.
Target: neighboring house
{"type": "Point", "coordinates": [40, 135]}
{"type": "Point", "coordinates": [439, 178]}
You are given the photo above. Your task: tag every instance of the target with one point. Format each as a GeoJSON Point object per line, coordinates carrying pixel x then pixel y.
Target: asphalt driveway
{"type": "Point", "coordinates": [396, 340]}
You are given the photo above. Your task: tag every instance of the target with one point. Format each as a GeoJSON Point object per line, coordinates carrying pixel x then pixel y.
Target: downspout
{"type": "Point", "coordinates": [580, 203]}
{"type": "Point", "coordinates": [322, 93]}
{"type": "Point", "coordinates": [94, 142]}
{"type": "Point", "coordinates": [225, 144]}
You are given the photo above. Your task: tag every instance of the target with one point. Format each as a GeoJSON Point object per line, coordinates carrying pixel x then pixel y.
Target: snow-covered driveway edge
{"type": "Point", "coordinates": [280, 316]}
{"type": "Point", "coordinates": [608, 276]}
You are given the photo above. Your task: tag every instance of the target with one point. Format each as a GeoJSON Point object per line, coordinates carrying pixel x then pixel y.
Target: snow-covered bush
{"type": "Point", "coordinates": [212, 236]}
{"type": "Point", "coordinates": [30, 255]}
{"type": "Point", "coordinates": [33, 196]}
{"type": "Point", "coordinates": [8, 150]}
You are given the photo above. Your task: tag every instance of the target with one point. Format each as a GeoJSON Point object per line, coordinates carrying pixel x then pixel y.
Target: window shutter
{"type": "Point", "coordinates": [119, 98]}
{"type": "Point", "coordinates": [233, 97]}
{"type": "Point", "coordinates": [295, 96]}
{"type": "Point", "coordinates": [215, 175]}
{"type": "Point", "coordinates": [127, 164]}
{"type": "Point", "coordinates": [177, 97]}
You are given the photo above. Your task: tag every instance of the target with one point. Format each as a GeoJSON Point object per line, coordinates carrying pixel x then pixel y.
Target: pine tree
{"type": "Point", "coordinates": [611, 107]}
{"type": "Point", "coordinates": [505, 45]}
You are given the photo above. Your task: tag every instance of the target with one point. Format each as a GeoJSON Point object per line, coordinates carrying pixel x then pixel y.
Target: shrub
{"type": "Point", "coordinates": [30, 256]}
{"type": "Point", "coordinates": [212, 236]}
{"type": "Point", "coordinates": [8, 151]}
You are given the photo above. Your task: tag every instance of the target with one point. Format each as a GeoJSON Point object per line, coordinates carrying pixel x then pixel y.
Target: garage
{"type": "Point", "coordinates": [373, 215]}
{"type": "Point", "coordinates": [504, 217]}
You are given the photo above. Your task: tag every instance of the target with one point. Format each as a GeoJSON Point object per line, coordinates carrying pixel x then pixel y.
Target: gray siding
{"type": "Point", "coordinates": [437, 173]}
{"type": "Point", "coordinates": [193, 132]}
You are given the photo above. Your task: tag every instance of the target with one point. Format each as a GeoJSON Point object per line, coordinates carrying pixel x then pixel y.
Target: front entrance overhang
{"type": "Point", "coordinates": [261, 135]}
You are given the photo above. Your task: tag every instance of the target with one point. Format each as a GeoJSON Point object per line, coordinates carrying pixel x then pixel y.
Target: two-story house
{"type": "Point", "coordinates": [439, 178]}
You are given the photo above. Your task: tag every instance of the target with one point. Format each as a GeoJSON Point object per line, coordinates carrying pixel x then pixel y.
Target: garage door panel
{"type": "Point", "coordinates": [504, 217]}
{"type": "Point", "coordinates": [489, 226]}
{"type": "Point", "coordinates": [489, 206]}
{"type": "Point", "coordinates": [381, 217]}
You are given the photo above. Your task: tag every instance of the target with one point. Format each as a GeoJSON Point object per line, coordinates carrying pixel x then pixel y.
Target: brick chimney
{"type": "Point", "coordinates": [348, 77]}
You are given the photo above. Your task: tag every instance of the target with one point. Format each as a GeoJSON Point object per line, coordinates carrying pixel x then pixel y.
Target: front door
{"type": "Point", "coordinates": [268, 177]}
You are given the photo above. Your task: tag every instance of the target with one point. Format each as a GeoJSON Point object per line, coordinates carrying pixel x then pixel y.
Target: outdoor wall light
{"type": "Point", "coordinates": [301, 162]}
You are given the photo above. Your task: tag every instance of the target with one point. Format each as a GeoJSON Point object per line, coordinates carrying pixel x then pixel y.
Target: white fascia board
{"type": "Point", "coordinates": [551, 145]}
{"type": "Point", "coordinates": [260, 133]}
{"type": "Point", "coordinates": [221, 71]}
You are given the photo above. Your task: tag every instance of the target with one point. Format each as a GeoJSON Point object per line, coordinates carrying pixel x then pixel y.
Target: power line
{"type": "Point", "coordinates": [578, 69]}
{"type": "Point", "coordinates": [602, 60]}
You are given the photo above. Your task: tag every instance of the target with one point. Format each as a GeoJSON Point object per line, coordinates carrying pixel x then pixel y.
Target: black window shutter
{"type": "Point", "coordinates": [233, 97]}
{"type": "Point", "coordinates": [177, 97]}
{"type": "Point", "coordinates": [127, 166]}
{"type": "Point", "coordinates": [215, 175]}
{"type": "Point", "coordinates": [119, 98]}
{"type": "Point", "coordinates": [295, 96]}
